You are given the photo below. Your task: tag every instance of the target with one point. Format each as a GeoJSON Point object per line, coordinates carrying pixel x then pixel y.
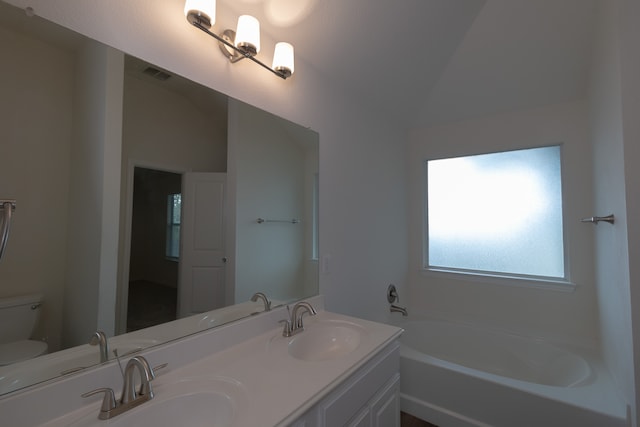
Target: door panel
{"type": "Point", "coordinates": [202, 266]}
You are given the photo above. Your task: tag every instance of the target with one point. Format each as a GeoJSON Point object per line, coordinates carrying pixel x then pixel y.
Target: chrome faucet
{"type": "Point", "coordinates": [293, 325]}
{"type": "Point", "coordinates": [129, 393]}
{"type": "Point", "coordinates": [131, 397]}
{"type": "Point", "coordinates": [263, 297]}
{"type": "Point", "coordinates": [99, 338]}
{"type": "Point", "coordinates": [392, 296]}
{"type": "Point", "coordinates": [397, 309]}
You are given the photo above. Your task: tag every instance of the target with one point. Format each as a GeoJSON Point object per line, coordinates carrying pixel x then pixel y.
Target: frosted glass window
{"type": "Point", "coordinates": [497, 213]}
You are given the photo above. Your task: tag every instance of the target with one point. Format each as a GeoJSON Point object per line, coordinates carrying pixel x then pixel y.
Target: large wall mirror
{"type": "Point", "coordinates": [148, 207]}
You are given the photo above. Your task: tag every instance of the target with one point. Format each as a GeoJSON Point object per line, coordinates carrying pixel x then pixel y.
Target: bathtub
{"type": "Point", "coordinates": [458, 375]}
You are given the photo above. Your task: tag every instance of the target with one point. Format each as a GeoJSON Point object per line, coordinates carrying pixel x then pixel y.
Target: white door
{"type": "Point", "coordinates": [201, 285]}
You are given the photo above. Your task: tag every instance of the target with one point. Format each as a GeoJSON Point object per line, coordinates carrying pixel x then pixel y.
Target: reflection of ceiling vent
{"type": "Point", "coordinates": [155, 73]}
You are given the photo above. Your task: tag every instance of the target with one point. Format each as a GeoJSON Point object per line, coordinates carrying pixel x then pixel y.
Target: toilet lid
{"type": "Point", "coordinates": [21, 350]}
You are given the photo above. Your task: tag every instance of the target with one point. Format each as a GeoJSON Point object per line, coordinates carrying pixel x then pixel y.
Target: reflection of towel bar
{"type": "Point", "coordinates": [7, 206]}
{"type": "Point", "coordinates": [291, 221]}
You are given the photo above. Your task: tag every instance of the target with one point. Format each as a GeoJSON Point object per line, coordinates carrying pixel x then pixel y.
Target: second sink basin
{"type": "Point", "coordinates": [326, 340]}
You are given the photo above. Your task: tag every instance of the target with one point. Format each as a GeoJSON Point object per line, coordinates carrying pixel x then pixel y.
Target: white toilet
{"type": "Point", "coordinates": [18, 318]}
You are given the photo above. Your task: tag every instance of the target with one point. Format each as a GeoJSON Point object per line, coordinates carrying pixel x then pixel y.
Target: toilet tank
{"type": "Point", "coordinates": [18, 317]}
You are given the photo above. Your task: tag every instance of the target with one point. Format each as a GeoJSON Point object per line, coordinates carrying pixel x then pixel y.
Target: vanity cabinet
{"type": "Point", "coordinates": [370, 397]}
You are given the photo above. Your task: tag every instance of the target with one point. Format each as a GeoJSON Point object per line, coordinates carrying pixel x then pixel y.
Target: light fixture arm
{"type": "Point", "coordinates": [238, 54]}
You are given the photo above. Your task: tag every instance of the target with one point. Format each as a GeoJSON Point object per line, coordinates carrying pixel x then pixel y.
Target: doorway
{"type": "Point", "coordinates": [155, 243]}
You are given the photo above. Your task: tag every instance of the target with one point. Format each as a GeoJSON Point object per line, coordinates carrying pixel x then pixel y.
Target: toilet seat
{"type": "Point", "coordinates": [21, 350]}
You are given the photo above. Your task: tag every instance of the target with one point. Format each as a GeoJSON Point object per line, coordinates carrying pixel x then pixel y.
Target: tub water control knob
{"type": "Point", "coordinates": [392, 294]}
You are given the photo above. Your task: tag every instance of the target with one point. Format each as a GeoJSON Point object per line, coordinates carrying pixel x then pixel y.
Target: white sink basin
{"type": "Point", "coordinates": [192, 402]}
{"type": "Point", "coordinates": [326, 340]}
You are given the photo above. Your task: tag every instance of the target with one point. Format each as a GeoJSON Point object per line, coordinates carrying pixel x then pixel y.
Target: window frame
{"type": "Point", "coordinates": [315, 218]}
{"type": "Point", "coordinates": [169, 241]}
{"type": "Point", "coordinates": [510, 279]}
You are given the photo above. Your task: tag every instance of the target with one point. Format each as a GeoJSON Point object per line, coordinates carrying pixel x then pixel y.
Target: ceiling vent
{"type": "Point", "coordinates": [156, 73]}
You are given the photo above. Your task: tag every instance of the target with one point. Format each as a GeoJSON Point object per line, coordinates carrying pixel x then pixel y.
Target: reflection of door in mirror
{"type": "Point", "coordinates": [170, 125]}
{"type": "Point", "coordinates": [202, 255]}
{"type": "Point", "coordinates": [153, 261]}
{"type": "Point", "coordinates": [177, 256]}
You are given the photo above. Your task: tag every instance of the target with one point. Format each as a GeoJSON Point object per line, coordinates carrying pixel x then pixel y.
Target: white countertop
{"type": "Point", "coordinates": [268, 386]}
{"type": "Point", "coordinates": [281, 388]}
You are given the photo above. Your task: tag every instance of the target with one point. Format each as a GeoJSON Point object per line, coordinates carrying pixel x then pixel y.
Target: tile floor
{"type": "Point", "coordinates": [150, 304]}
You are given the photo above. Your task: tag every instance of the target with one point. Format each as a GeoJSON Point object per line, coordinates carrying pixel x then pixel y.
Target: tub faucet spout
{"type": "Point", "coordinates": [397, 309]}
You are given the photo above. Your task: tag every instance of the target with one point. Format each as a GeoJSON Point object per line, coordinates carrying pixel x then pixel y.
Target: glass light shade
{"type": "Point", "coordinates": [204, 8]}
{"type": "Point", "coordinates": [283, 58]}
{"type": "Point", "coordinates": [248, 34]}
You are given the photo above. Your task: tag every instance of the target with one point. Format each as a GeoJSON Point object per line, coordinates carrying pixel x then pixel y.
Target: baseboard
{"type": "Point", "coordinates": [435, 414]}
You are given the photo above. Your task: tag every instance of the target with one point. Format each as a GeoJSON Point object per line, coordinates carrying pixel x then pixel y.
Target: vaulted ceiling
{"type": "Point", "coordinates": [424, 62]}
{"type": "Point", "coordinates": [431, 61]}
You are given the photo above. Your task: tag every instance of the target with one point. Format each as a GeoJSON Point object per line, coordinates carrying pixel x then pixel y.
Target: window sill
{"type": "Point", "coordinates": [559, 285]}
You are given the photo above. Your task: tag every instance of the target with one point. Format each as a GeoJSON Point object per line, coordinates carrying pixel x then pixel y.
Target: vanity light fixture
{"type": "Point", "coordinates": [283, 58]}
{"type": "Point", "coordinates": [242, 43]}
{"type": "Point", "coordinates": [248, 35]}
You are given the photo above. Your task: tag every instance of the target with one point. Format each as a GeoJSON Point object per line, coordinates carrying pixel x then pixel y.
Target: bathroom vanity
{"type": "Point", "coordinates": [338, 371]}
{"type": "Point", "coordinates": [369, 397]}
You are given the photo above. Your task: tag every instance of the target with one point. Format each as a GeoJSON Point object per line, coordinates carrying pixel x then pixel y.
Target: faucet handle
{"type": "Point", "coordinates": [158, 367]}
{"type": "Point", "coordinates": [109, 400]}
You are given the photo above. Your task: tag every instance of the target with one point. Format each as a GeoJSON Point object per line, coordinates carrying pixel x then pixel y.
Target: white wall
{"type": "Point", "coordinates": [89, 300]}
{"type": "Point", "coordinates": [36, 116]}
{"type": "Point", "coordinates": [568, 316]}
{"type": "Point", "coordinates": [362, 197]}
{"type": "Point", "coordinates": [269, 172]}
{"type": "Point", "coordinates": [363, 220]}
{"type": "Point", "coordinates": [612, 256]}
{"type": "Point", "coordinates": [615, 107]}
{"type": "Point", "coordinates": [55, 168]}
{"type": "Point", "coordinates": [165, 129]}
{"type": "Point", "coordinates": [629, 16]}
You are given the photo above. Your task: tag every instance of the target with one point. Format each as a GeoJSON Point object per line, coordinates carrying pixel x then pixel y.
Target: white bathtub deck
{"type": "Point", "coordinates": [450, 395]}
